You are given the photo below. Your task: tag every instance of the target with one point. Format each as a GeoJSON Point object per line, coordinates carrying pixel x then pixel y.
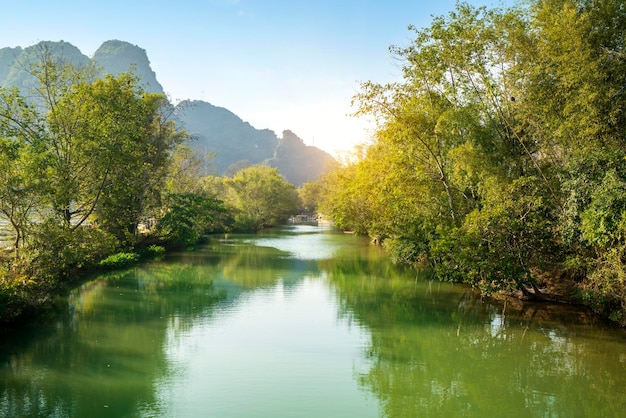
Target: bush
{"type": "Point", "coordinates": [155, 251]}
{"type": "Point", "coordinates": [189, 216]}
{"type": "Point", "coordinates": [151, 252]}
{"type": "Point", "coordinates": [244, 222]}
{"type": "Point", "coordinates": [60, 253]}
{"type": "Point", "coordinates": [20, 295]}
{"type": "Point", "coordinates": [604, 289]}
{"type": "Point", "coordinates": [119, 260]}
{"type": "Point", "coordinates": [407, 251]}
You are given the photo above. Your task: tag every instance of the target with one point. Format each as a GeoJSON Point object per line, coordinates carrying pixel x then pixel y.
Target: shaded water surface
{"type": "Point", "coordinates": [305, 322]}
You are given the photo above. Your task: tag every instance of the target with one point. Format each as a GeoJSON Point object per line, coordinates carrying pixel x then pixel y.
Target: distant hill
{"type": "Point", "coordinates": [297, 161]}
{"type": "Point", "coordinates": [234, 143]}
{"type": "Point", "coordinates": [14, 61]}
{"type": "Point", "coordinates": [113, 57]}
{"type": "Point", "coordinates": [117, 57]}
{"type": "Point", "coordinates": [219, 131]}
{"type": "Point", "coordinates": [7, 61]}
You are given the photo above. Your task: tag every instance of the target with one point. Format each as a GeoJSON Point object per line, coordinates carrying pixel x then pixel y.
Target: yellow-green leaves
{"type": "Point", "coordinates": [261, 197]}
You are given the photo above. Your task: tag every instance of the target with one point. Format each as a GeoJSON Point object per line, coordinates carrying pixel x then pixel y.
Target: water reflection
{"type": "Point", "coordinates": [103, 355]}
{"type": "Point", "coordinates": [440, 350]}
{"type": "Point", "coordinates": [305, 322]}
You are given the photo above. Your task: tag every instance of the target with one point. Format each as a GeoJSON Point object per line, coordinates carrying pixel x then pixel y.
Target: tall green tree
{"type": "Point", "coordinates": [97, 149]}
{"type": "Point", "coordinates": [138, 153]}
{"type": "Point", "coordinates": [72, 182]}
{"type": "Point", "coordinates": [188, 217]}
{"type": "Point", "coordinates": [447, 180]}
{"type": "Point", "coordinates": [574, 103]}
{"type": "Point", "coordinates": [261, 197]}
{"type": "Point", "coordinates": [500, 155]}
{"type": "Point", "coordinates": [19, 193]}
{"type": "Point", "coordinates": [310, 195]}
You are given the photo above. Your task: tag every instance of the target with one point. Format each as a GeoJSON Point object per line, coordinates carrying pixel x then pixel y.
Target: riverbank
{"type": "Point", "coordinates": [25, 299]}
{"type": "Point", "coordinates": [554, 290]}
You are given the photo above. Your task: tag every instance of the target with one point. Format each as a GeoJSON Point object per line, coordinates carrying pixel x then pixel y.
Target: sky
{"type": "Point", "coordinates": [277, 64]}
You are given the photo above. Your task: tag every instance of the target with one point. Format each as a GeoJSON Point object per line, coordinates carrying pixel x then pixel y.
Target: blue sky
{"type": "Point", "coordinates": [277, 64]}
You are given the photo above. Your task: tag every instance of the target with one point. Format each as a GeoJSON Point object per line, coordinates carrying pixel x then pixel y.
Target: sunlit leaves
{"type": "Point", "coordinates": [448, 178]}
{"type": "Point", "coordinates": [189, 216]}
{"type": "Point", "coordinates": [261, 197]}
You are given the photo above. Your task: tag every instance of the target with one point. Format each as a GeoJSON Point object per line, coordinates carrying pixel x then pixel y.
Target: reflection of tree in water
{"type": "Point", "coordinates": [440, 350]}
{"type": "Point", "coordinates": [104, 355]}
{"type": "Point", "coordinates": [435, 349]}
{"type": "Point", "coordinates": [254, 267]}
{"type": "Point", "coordinates": [250, 266]}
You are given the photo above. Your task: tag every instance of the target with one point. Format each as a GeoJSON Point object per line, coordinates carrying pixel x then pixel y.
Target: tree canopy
{"type": "Point", "coordinates": [261, 197]}
{"type": "Point", "coordinates": [499, 158]}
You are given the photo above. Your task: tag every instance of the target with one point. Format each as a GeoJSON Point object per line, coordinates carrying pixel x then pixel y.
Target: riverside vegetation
{"type": "Point", "coordinates": [94, 173]}
{"type": "Point", "coordinates": [498, 161]}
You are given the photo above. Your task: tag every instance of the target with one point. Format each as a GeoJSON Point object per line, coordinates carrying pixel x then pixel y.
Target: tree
{"type": "Point", "coordinates": [574, 101]}
{"type": "Point", "coordinates": [190, 209]}
{"type": "Point", "coordinates": [309, 195]}
{"type": "Point", "coordinates": [85, 149]}
{"type": "Point", "coordinates": [19, 194]}
{"type": "Point", "coordinates": [140, 162]}
{"type": "Point", "coordinates": [59, 131]}
{"type": "Point", "coordinates": [447, 180]}
{"type": "Point", "coordinates": [187, 169]}
{"type": "Point", "coordinates": [188, 217]}
{"type": "Point", "coordinates": [261, 197]}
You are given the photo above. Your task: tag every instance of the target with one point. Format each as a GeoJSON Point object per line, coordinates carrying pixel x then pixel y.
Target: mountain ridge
{"type": "Point", "coordinates": [234, 142]}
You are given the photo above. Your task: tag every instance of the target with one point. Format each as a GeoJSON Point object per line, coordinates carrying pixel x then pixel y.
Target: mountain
{"type": "Point", "coordinates": [214, 129]}
{"type": "Point", "coordinates": [236, 143]}
{"type": "Point", "coordinates": [219, 131]}
{"type": "Point", "coordinates": [116, 57]}
{"type": "Point", "coordinates": [7, 60]}
{"type": "Point", "coordinates": [297, 161]}
{"type": "Point", "coordinates": [14, 61]}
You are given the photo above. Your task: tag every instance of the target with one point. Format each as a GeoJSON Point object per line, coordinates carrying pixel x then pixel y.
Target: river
{"type": "Point", "coordinates": [305, 322]}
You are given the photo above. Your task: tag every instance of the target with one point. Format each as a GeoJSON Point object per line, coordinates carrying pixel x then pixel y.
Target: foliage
{"type": "Point", "coordinates": [118, 260]}
{"type": "Point", "coordinates": [343, 202]}
{"type": "Point", "coordinates": [103, 146]}
{"type": "Point", "coordinates": [605, 289]}
{"type": "Point", "coordinates": [83, 160]}
{"type": "Point", "coordinates": [498, 159]}
{"type": "Point", "coordinates": [21, 295]}
{"type": "Point", "coordinates": [141, 162]}
{"type": "Point", "coordinates": [261, 197]}
{"type": "Point", "coordinates": [154, 251]}
{"type": "Point", "coordinates": [57, 252]}
{"type": "Point", "coordinates": [189, 216]}
{"type": "Point", "coordinates": [188, 168]}
{"type": "Point", "coordinates": [309, 196]}
{"type": "Point", "coordinates": [19, 192]}
{"type": "Point", "coordinates": [500, 245]}
{"type": "Point", "coordinates": [499, 156]}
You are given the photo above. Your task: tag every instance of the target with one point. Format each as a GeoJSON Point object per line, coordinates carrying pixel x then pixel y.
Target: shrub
{"type": "Point", "coordinates": [151, 252]}
{"type": "Point", "coordinates": [60, 253]}
{"type": "Point", "coordinates": [155, 251]}
{"type": "Point", "coordinates": [119, 260]}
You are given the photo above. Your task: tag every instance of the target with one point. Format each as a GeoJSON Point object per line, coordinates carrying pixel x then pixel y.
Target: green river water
{"type": "Point", "coordinates": [305, 322]}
